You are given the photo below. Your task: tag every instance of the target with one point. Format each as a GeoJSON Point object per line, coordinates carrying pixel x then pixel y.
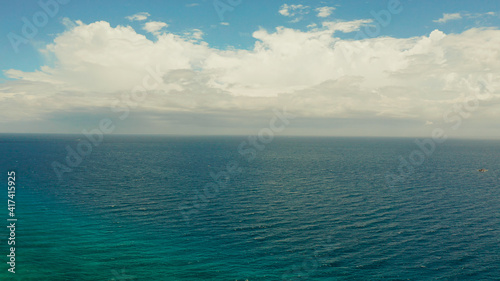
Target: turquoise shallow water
{"type": "Point", "coordinates": [303, 209]}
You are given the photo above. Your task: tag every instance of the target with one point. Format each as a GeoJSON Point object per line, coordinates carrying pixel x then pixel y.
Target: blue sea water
{"type": "Point", "coordinates": [149, 208]}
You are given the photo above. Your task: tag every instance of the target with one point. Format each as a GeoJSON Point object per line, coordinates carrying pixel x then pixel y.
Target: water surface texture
{"type": "Point", "coordinates": [137, 208]}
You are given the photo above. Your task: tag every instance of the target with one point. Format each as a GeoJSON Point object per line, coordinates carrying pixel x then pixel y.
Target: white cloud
{"type": "Point", "coordinates": [324, 12]}
{"type": "Point", "coordinates": [314, 73]}
{"type": "Point", "coordinates": [194, 34]}
{"type": "Point", "coordinates": [138, 17]}
{"type": "Point", "coordinates": [457, 16]}
{"type": "Point", "coordinates": [295, 20]}
{"type": "Point", "coordinates": [68, 23]}
{"type": "Point", "coordinates": [312, 25]}
{"type": "Point", "coordinates": [448, 17]}
{"type": "Point", "coordinates": [479, 15]}
{"type": "Point", "coordinates": [224, 23]}
{"type": "Point", "coordinates": [192, 5]}
{"type": "Point", "coordinates": [292, 10]}
{"type": "Point", "coordinates": [346, 26]}
{"type": "Point", "coordinates": [154, 26]}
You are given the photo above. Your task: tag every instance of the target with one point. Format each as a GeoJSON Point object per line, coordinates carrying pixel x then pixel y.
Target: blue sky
{"type": "Point", "coordinates": [225, 68]}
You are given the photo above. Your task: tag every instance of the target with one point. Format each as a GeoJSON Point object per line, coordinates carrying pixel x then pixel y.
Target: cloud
{"type": "Point", "coordinates": [68, 23]}
{"type": "Point", "coordinates": [312, 25]}
{"type": "Point", "coordinates": [224, 23]}
{"type": "Point", "coordinates": [192, 5]}
{"type": "Point", "coordinates": [293, 10]}
{"type": "Point", "coordinates": [479, 15]}
{"type": "Point", "coordinates": [154, 26]}
{"type": "Point", "coordinates": [138, 17]}
{"type": "Point", "coordinates": [297, 19]}
{"type": "Point", "coordinates": [457, 16]}
{"type": "Point", "coordinates": [346, 26]}
{"type": "Point", "coordinates": [194, 34]}
{"type": "Point", "coordinates": [317, 75]}
{"type": "Point", "coordinates": [324, 12]}
{"type": "Point", "coordinates": [448, 17]}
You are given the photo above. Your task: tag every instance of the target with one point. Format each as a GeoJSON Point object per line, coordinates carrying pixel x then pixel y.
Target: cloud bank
{"type": "Point", "coordinates": [328, 82]}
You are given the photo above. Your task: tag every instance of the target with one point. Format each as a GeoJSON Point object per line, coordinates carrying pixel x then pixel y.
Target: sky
{"type": "Point", "coordinates": [226, 67]}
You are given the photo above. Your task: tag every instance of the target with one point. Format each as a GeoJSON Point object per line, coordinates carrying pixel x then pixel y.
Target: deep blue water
{"type": "Point", "coordinates": [302, 209]}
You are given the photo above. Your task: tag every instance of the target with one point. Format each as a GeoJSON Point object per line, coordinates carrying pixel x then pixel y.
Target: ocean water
{"type": "Point", "coordinates": [195, 208]}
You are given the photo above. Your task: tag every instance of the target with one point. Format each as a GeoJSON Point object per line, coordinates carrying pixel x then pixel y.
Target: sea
{"type": "Point", "coordinates": [226, 208]}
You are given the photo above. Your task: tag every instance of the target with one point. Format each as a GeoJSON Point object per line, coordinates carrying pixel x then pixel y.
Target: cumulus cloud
{"type": "Point", "coordinates": [138, 17]}
{"type": "Point", "coordinates": [324, 12]}
{"type": "Point", "coordinates": [154, 26]}
{"type": "Point", "coordinates": [316, 74]}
